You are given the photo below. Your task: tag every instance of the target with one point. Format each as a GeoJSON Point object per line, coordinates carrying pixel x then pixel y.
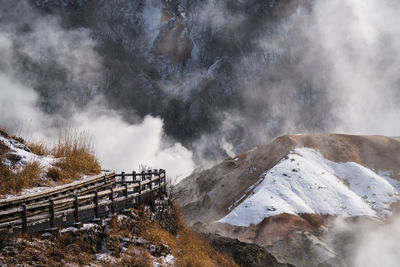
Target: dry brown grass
{"type": "Point", "coordinates": [189, 248]}
{"type": "Point", "coordinates": [76, 158]}
{"type": "Point", "coordinates": [14, 182]}
{"type": "Point", "coordinates": [3, 149]}
{"type": "Point", "coordinates": [76, 155]}
{"type": "Point", "coordinates": [32, 250]}
{"type": "Point", "coordinates": [54, 173]}
{"type": "Point", "coordinates": [133, 258]}
{"type": "Point", "coordinates": [80, 248]}
{"type": "Point", "coordinates": [39, 148]}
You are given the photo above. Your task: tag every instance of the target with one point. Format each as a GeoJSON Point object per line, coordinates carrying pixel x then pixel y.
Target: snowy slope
{"type": "Point", "coordinates": [25, 154]}
{"type": "Point", "coordinates": [305, 182]}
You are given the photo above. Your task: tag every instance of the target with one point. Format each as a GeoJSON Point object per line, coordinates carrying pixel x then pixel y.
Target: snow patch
{"type": "Point", "coordinates": [168, 260]}
{"type": "Point", "coordinates": [306, 182]}
{"type": "Point", "coordinates": [105, 258]}
{"type": "Point", "coordinates": [26, 155]}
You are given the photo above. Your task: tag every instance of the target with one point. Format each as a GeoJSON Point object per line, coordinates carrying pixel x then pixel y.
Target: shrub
{"type": "Point", "coordinates": [40, 148]}
{"type": "Point", "coordinates": [24, 177]}
{"type": "Point", "coordinates": [54, 173]}
{"type": "Point", "coordinates": [76, 155]}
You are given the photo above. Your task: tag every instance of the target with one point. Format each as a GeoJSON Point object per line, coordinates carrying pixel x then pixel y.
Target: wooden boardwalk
{"type": "Point", "coordinates": [88, 200]}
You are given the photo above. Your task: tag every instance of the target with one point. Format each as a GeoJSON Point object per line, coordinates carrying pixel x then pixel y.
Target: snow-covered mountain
{"type": "Point", "coordinates": [305, 182]}
{"type": "Point", "coordinates": [287, 194]}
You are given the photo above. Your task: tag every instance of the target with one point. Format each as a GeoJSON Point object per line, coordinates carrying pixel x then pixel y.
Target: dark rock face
{"type": "Point", "coordinates": [198, 65]}
{"type": "Point", "coordinates": [164, 214]}
{"type": "Point", "coordinates": [14, 157]}
{"type": "Point", "coordinates": [244, 254]}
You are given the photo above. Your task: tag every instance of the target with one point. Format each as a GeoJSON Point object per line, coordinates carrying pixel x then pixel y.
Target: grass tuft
{"type": "Point", "coordinates": [54, 173]}
{"type": "Point", "coordinates": [40, 148]}
{"type": "Point", "coordinates": [15, 181]}
{"type": "Point", "coordinates": [76, 154]}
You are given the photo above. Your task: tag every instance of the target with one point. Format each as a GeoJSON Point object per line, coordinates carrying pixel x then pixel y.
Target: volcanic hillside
{"type": "Point", "coordinates": [210, 194]}
{"type": "Point", "coordinates": [297, 182]}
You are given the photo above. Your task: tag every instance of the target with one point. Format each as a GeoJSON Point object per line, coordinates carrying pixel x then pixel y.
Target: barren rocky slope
{"type": "Point", "coordinates": [207, 194]}
{"type": "Point", "coordinates": [285, 195]}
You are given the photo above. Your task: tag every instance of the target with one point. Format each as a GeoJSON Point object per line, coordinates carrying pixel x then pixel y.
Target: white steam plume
{"type": "Point", "coordinates": [360, 42]}
{"type": "Point", "coordinates": [119, 145]}
{"type": "Point", "coordinates": [379, 246]}
{"type": "Point", "coordinates": [124, 146]}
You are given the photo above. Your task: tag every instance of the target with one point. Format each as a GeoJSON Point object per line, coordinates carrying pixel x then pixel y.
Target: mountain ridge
{"type": "Point", "coordinates": [233, 176]}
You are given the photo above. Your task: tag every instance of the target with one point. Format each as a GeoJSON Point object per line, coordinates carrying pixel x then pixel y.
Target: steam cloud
{"type": "Point", "coordinates": [379, 246]}
{"type": "Point", "coordinates": [365, 242]}
{"type": "Point", "coordinates": [257, 69]}
{"type": "Point", "coordinates": [119, 145]}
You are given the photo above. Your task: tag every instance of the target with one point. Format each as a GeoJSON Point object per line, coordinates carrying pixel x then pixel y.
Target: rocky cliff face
{"type": "Point", "coordinates": [200, 66]}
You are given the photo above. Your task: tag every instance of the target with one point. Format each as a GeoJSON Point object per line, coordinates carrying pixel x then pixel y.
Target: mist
{"type": "Point", "coordinates": [231, 77]}
{"type": "Point", "coordinates": [379, 246]}
{"type": "Point", "coordinates": [365, 242]}
{"type": "Point", "coordinates": [118, 145]}
{"type": "Point", "coordinates": [74, 67]}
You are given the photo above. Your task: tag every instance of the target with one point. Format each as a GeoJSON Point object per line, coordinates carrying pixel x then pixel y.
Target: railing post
{"type": "Point", "coordinates": [105, 179]}
{"type": "Point", "coordinates": [133, 176]}
{"type": "Point", "coordinates": [150, 174]}
{"type": "Point", "coordinates": [52, 215]}
{"type": "Point", "coordinates": [77, 224]}
{"type": "Point", "coordinates": [10, 229]}
{"type": "Point", "coordinates": [126, 196]}
{"type": "Point", "coordinates": [151, 183]}
{"type": "Point", "coordinates": [157, 173]}
{"type": "Point", "coordinates": [123, 177]}
{"type": "Point", "coordinates": [165, 181]}
{"type": "Point", "coordinates": [143, 178]}
{"type": "Point", "coordinates": [24, 219]}
{"type": "Point", "coordinates": [140, 193]}
{"type": "Point", "coordinates": [96, 204]}
{"type": "Point", "coordinates": [111, 196]}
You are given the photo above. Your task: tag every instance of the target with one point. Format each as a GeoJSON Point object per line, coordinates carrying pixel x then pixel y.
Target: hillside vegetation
{"type": "Point", "coordinates": [25, 165]}
{"type": "Point", "coordinates": [145, 237]}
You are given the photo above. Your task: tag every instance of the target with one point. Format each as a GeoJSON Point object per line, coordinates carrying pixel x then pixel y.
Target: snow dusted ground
{"type": "Point", "coordinates": [26, 156]}
{"type": "Point", "coordinates": [306, 182]}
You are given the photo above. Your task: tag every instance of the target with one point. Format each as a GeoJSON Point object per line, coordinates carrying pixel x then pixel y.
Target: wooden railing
{"type": "Point", "coordinates": [84, 201]}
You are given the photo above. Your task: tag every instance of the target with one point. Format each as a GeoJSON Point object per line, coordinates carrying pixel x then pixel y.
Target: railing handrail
{"type": "Point", "coordinates": [77, 185]}
{"type": "Point", "coordinates": [155, 172]}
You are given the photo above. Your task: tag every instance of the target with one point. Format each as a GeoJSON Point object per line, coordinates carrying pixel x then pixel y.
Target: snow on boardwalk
{"type": "Point", "coordinates": [306, 182]}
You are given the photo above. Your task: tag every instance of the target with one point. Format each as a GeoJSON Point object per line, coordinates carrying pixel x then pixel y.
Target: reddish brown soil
{"type": "Point", "coordinates": [273, 229]}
